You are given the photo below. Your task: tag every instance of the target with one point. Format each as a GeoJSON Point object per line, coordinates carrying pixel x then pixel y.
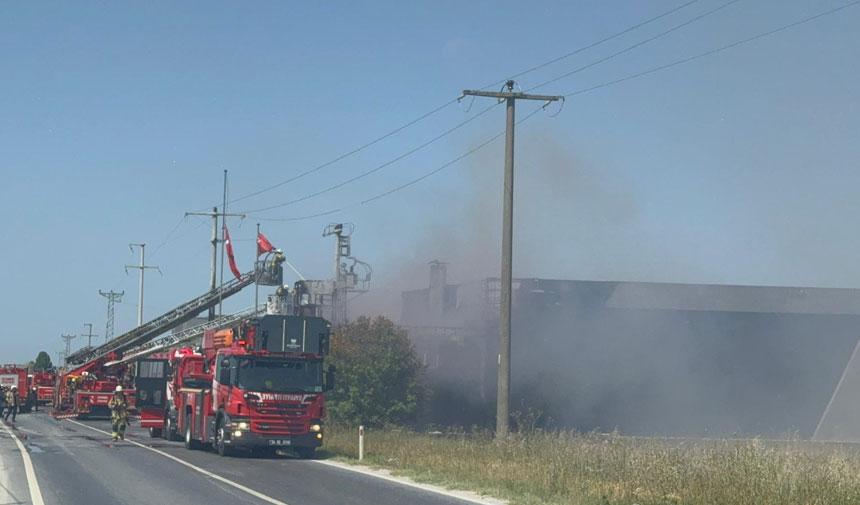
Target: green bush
{"type": "Point", "coordinates": [379, 378]}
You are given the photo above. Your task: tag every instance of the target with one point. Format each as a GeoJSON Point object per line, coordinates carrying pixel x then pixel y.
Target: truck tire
{"type": "Point", "coordinates": [220, 433]}
{"type": "Point", "coordinates": [155, 433]}
{"type": "Point", "coordinates": [190, 443]}
{"type": "Point", "coordinates": [170, 430]}
{"type": "Point", "coordinates": [305, 452]}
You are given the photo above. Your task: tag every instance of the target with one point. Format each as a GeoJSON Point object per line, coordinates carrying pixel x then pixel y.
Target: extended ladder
{"type": "Point", "coordinates": [163, 323]}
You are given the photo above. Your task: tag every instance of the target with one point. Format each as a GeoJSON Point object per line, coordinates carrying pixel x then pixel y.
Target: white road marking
{"type": "Point", "coordinates": [32, 483]}
{"type": "Point", "coordinates": [466, 496]}
{"type": "Point", "coordinates": [207, 473]}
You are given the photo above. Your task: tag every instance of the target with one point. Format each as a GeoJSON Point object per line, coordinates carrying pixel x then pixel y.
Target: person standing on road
{"type": "Point", "coordinates": [12, 403]}
{"type": "Point", "coordinates": [34, 399]}
{"type": "Point", "coordinates": [2, 401]}
{"type": "Point", "coordinates": [118, 413]}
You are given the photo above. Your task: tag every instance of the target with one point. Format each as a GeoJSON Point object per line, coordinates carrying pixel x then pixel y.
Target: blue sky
{"type": "Point", "coordinates": [116, 118]}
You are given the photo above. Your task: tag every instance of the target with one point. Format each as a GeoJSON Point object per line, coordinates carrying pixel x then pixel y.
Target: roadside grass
{"type": "Point", "coordinates": [600, 469]}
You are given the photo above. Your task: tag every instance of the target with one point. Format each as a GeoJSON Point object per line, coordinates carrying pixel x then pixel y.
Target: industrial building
{"type": "Point", "coordinates": [645, 358]}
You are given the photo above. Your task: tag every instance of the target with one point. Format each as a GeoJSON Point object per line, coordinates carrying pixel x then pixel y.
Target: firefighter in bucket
{"type": "Point", "coordinates": [118, 413]}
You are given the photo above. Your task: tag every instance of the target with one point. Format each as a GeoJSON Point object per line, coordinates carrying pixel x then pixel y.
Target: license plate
{"type": "Point", "coordinates": [279, 442]}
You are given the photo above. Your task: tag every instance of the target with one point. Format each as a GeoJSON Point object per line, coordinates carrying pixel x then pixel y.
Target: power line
{"type": "Point", "coordinates": [593, 44]}
{"type": "Point", "coordinates": [342, 156]}
{"type": "Point", "coordinates": [578, 92]}
{"type": "Point", "coordinates": [446, 104]}
{"type": "Point", "coordinates": [713, 51]}
{"type": "Point", "coordinates": [409, 183]}
{"type": "Point", "coordinates": [377, 168]}
{"type": "Point", "coordinates": [638, 44]}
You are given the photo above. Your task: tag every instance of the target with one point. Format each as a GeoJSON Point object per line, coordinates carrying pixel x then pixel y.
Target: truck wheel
{"type": "Point", "coordinates": [220, 433]}
{"type": "Point", "coordinates": [155, 433]}
{"type": "Point", "coordinates": [305, 452]}
{"type": "Point", "coordinates": [190, 443]}
{"type": "Point", "coordinates": [170, 430]}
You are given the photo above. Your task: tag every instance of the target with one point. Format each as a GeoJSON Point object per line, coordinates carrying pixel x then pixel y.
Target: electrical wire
{"type": "Point", "coordinates": [345, 155]}
{"type": "Point", "coordinates": [446, 104]}
{"type": "Point", "coordinates": [377, 168]}
{"type": "Point", "coordinates": [578, 92]}
{"type": "Point", "coordinates": [409, 183]}
{"type": "Point", "coordinates": [593, 44]}
{"type": "Point", "coordinates": [714, 51]}
{"type": "Point", "coordinates": [638, 44]}
{"type": "Point", "coordinates": [167, 237]}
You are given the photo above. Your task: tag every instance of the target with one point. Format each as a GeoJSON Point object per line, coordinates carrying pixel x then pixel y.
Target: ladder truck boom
{"type": "Point", "coordinates": [161, 324]}
{"type": "Point", "coordinates": [182, 338]}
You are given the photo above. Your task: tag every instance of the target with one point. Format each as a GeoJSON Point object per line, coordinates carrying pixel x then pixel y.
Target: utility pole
{"type": "Point", "coordinates": [213, 266]}
{"type": "Point", "coordinates": [68, 340]}
{"type": "Point", "coordinates": [89, 334]}
{"type": "Point", "coordinates": [112, 297]}
{"type": "Point", "coordinates": [256, 274]}
{"type": "Point", "coordinates": [142, 267]}
{"type": "Point", "coordinates": [510, 97]}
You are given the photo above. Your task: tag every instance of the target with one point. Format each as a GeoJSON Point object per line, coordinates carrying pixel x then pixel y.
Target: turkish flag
{"type": "Point", "coordinates": [230, 254]}
{"type": "Point", "coordinates": [263, 245]}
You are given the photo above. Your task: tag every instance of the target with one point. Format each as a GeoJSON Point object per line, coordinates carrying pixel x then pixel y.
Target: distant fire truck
{"type": "Point", "coordinates": [16, 376]}
{"type": "Point", "coordinates": [43, 382]}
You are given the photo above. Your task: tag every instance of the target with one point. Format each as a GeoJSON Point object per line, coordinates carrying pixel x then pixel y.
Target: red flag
{"type": "Point", "coordinates": [263, 245]}
{"type": "Point", "coordinates": [230, 254]}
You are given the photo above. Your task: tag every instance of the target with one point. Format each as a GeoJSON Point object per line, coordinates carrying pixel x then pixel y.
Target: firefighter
{"type": "Point", "coordinates": [12, 403]}
{"type": "Point", "coordinates": [2, 401]}
{"type": "Point", "coordinates": [118, 413]}
{"type": "Point", "coordinates": [34, 398]}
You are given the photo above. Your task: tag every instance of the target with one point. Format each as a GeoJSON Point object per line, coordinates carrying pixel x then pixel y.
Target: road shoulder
{"type": "Point", "coordinates": [381, 473]}
{"type": "Point", "coordinates": [18, 482]}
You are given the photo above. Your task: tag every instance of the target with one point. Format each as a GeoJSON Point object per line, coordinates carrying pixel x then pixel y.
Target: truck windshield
{"type": "Point", "coordinates": [283, 376]}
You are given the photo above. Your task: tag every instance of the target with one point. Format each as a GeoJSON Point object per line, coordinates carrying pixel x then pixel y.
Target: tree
{"type": "Point", "coordinates": [43, 362]}
{"type": "Point", "coordinates": [379, 378]}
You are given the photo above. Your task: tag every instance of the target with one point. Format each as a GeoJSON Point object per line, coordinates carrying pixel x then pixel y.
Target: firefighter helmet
{"type": "Point", "coordinates": [118, 388]}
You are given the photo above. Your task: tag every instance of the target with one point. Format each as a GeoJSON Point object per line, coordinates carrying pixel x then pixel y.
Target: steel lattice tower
{"type": "Point", "coordinates": [112, 297]}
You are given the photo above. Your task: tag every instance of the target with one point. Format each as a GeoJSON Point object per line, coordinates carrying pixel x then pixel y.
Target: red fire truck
{"type": "Point", "coordinates": [257, 385]}
{"type": "Point", "coordinates": [85, 391]}
{"type": "Point", "coordinates": [16, 376]}
{"type": "Point", "coordinates": [43, 382]}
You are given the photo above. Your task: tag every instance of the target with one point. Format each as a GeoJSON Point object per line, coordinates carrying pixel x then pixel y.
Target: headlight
{"type": "Point", "coordinates": [319, 435]}
{"type": "Point", "coordinates": [242, 426]}
{"type": "Point", "coordinates": [316, 427]}
{"type": "Point", "coordinates": [237, 434]}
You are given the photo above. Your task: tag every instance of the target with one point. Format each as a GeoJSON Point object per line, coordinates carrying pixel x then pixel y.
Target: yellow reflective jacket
{"type": "Point", "coordinates": [118, 409]}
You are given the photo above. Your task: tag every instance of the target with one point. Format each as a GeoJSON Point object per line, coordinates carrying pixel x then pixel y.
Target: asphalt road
{"type": "Point", "coordinates": [74, 464]}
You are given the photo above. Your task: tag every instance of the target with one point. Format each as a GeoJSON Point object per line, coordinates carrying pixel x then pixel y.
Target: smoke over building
{"type": "Point", "coordinates": [645, 358]}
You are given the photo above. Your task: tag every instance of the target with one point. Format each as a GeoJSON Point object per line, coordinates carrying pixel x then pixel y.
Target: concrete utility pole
{"type": "Point", "coordinates": [89, 334]}
{"type": "Point", "coordinates": [213, 265]}
{"type": "Point", "coordinates": [510, 98]}
{"type": "Point", "coordinates": [142, 267]}
{"type": "Point", "coordinates": [68, 340]}
{"type": "Point", "coordinates": [112, 297]}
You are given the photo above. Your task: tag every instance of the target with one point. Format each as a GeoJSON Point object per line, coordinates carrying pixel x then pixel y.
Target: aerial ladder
{"type": "Point", "coordinates": [93, 373]}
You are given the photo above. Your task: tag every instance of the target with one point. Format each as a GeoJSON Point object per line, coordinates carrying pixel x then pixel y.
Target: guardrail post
{"type": "Point", "coordinates": [360, 443]}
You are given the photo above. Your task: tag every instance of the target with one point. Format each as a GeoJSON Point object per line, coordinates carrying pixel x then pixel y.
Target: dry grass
{"type": "Point", "coordinates": [567, 468]}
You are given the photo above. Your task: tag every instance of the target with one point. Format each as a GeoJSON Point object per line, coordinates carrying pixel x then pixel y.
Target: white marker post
{"type": "Point", "coordinates": [360, 443]}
